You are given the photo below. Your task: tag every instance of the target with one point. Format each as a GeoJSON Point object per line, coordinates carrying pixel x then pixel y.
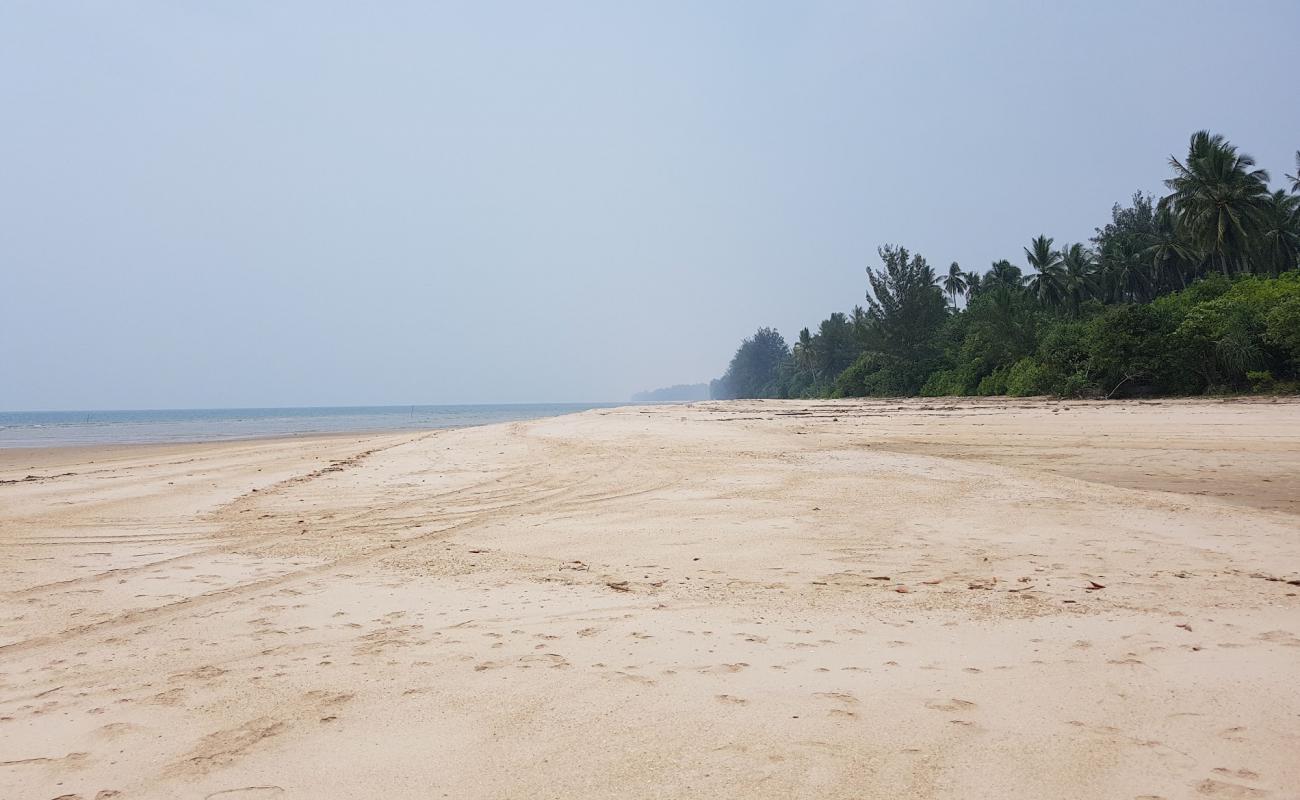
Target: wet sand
{"type": "Point", "coordinates": [847, 599]}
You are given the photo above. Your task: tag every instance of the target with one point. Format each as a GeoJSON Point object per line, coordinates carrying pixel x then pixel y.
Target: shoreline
{"type": "Point", "coordinates": [991, 401]}
{"type": "Point", "coordinates": [202, 426]}
{"type": "Point", "coordinates": [758, 599]}
{"type": "Point", "coordinates": [12, 457]}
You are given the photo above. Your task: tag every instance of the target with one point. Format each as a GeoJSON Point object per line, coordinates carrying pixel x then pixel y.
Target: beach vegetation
{"type": "Point", "coordinates": [1194, 292]}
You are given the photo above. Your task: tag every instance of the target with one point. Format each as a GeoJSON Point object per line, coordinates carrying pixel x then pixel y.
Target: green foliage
{"type": "Point", "coordinates": [1219, 199]}
{"type": "Point", "coordinates": [1028, 377]}
{"type": "Point", "coordinates": [944, 383]}
{"type": "Point", "coordinates": [1125, 348]}
{"type": "Point", "coordinates": [1261, 381]}
{"type": "Point", "coordinates": [1195, 293]}
{"type": "Point", "coordinates": [755, 369]}
{"type": "Point", "coordinates": [1282, 329]}
{"type": "Point", "coordinates": [904, 308]}
{"type": "Point", "coordinates": [874, 375]}
{"type": "Point", "coordinates": [993, 383]}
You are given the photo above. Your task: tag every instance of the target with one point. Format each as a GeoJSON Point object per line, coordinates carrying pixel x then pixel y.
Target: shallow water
{"type": "Point", "coordinates": [58, 428]}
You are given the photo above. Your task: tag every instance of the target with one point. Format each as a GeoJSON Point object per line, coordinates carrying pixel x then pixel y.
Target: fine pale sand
{"type": "Point", "coordinates": [752, 600]}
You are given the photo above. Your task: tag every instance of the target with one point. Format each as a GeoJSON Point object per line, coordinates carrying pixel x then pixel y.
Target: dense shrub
{"type": "Point", "coordinates": [1029, 377]}
{"type": "Point", "coordinates": [943, 383]}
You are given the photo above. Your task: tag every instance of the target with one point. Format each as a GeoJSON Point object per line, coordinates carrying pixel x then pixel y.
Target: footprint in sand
{"type": "Point", "coordinates": [952, 704]}
{"type": "Point", "coordinates": [116, 729]}
{"type": "Point", "coordinates": [553, 660]}
{"type": "Point", "coordinates": [170, 697]}
{"type": "Point", "coordinates": [1284, 638]}
{"type": "Point", "coordinates": [641, 679]}
{"type": "Point", "coordinates": [724, 668]}
{"type": "Point", "coordinates": [1244, 774]}
{"type": "Point", "coordinates": [1231, 791]}
{"type": "Point", "coordinates": [206, 672]}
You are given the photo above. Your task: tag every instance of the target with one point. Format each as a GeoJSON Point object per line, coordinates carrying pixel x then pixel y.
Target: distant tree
{"type": "Point", "coordinates": [804, 357]}
{"type": "Point", "coordinates": [1156, 302]}
{"type": "Point", "coordinates": [1218, 197]}
{"type": "Point", "coordinates": [1279, 232]}
{"type": "Point", "coordinates": [904, 306]}
{"type": "Point", "coordinates": [1047, 283]}
{"type": "Point", "coordinates": [754, 370]}
{"type": "Point", "coordinates": [1173, 258]}
{"type": "Point", "coordinates": [1124, 271]}
{"type": "Point", "coordinates": [955, 283]}
{"type": "Point", "coordinates": [1077, 280]}
{"type": "Point", "coordinates": [1124, 264]}
{"type": "Point", "coordinates": [1002, 274]}
{"type": "Point", "coordinates": [861, 324]}
{"type": "Point", "coordinates": [835, 345]}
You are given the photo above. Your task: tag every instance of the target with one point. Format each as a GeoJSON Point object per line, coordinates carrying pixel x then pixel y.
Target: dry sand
{"type": "Point", "coordinates": [749, 600]}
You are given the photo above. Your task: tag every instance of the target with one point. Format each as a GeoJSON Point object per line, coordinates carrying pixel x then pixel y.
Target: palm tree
{"type": "Point", "coordinates": [1170, 252]}
{"type": "Point", "coordinates": [1047, 283]}
{"type": "Point", "coordinates": [804, 353]}
{"type": "Point", "coordinates": [1295, 179]}
{"type": "Point", "coordinates": [1002, 273]}
{"type": "Point", "coordinates": [1077, 283]}
{"type": "Point", "coordinates": [926, 272]}
{"type": "Point", "coordinates": [861, 322]}
{"type": "Point", "coordinates": [1217, 198]}
{"type": "Point", "coordinates": [1122, 274]}
{"type": "Point", "coordinates": [973, 287]}
{"type": "Point", "coordinates": [955, 283]}
{"type": "Point", "coordinates": [1280, 232]}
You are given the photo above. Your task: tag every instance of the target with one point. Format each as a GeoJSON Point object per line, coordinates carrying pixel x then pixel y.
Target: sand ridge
{"type": "Point", "coordinates": [745, 599]}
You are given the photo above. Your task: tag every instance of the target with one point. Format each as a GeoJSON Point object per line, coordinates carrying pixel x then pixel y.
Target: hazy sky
{"type": "Point", "coordinates": [309, 203]}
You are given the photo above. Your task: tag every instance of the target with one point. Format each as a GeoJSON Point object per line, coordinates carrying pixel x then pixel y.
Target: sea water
{"type": "Point", "coordinates": [59, 428]}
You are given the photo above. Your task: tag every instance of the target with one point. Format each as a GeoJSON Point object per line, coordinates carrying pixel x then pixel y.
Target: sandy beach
{"type": "Point", "coordinates": [775, 599]}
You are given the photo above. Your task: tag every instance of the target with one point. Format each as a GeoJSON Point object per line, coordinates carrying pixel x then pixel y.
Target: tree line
{"type": "Point", "coordinates": [1194, 292]}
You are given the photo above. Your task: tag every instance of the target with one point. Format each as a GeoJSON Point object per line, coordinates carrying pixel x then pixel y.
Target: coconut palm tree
{"type": "Point", "coordinates": [1173, 258]}
{"type": "Point", "coordinates": [1123, 273]}
{"type": "Point", "coordinates": [805, 357]}
{"type": "Point", "coordinates": [955, 283]}
{"type": "Point", "coordinates": [1047, 283]}
{"type": "Point", "coordinates": [1218, 198]}
{"type": "Point", "coordinates": [1002, 273]}
{"type": "Point", "coordinates": [1295, 179]}
{"type": "Point", "coordinates": [1077, 283]}
{"type": "Point", "coordinates": [1280, 232]}
{"type": "Point", "coordinates": [973, 286]}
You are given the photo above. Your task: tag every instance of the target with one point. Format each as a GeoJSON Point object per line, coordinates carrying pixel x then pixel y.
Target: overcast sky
{"type": "Point", "coordinates": [309, 203]}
